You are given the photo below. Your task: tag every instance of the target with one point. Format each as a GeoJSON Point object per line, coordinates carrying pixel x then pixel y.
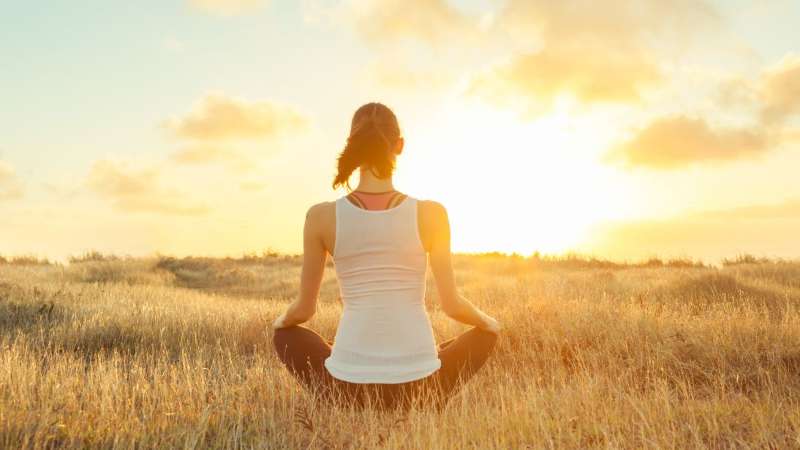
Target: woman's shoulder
{"type": "Point", "coordinates": [431, 211]}
{"type": "Point", "coordinates": [431, 206]}
{"type": "Point", "coordinates": [320, 215]}
{"type": "Point", "coordinates": [321, 210]}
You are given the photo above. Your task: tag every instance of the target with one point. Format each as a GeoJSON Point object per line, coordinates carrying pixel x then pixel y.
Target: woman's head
{"type": "Point", "coordinates": [373, 144]}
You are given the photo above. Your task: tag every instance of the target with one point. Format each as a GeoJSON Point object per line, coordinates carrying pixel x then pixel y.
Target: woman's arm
{"type": "Point", "coordinates": [453, 304]}
{"type": "Point", "coordinates": [314, 256]}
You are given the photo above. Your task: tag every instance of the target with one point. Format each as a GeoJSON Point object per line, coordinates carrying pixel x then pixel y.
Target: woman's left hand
{"type": "Point", "coordinates": [280, 322]}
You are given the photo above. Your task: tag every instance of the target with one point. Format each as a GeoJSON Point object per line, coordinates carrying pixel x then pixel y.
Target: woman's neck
{"type": "Point", "coordinates": [368, 182]}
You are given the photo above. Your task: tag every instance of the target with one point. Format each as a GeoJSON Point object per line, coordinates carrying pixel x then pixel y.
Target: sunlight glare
{"type": "Point", "coordinates": [485, 164]}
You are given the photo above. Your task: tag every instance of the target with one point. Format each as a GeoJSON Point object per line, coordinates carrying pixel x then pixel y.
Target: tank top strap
{"type": "Point", "coordinates": [358, 229]}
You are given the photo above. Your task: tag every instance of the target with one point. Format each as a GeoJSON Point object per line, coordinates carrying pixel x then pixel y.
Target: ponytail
{"type": "Point", "coordinates": [373, 131]}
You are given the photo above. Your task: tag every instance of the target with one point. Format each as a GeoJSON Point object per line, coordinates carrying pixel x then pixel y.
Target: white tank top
{"type": "Point", "coordinates": [385, 334]}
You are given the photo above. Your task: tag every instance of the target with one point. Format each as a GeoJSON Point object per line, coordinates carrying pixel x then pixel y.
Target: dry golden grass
{"type": "Point", "coordinates": [124, 353]}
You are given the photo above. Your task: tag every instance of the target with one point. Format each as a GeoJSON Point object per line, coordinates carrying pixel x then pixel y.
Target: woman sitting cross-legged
{"type": "Point", "coordinates": [384, 352]}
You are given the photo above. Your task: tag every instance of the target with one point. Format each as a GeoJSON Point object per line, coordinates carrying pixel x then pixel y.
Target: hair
{"type": "Point", "coordinates": [373, 133]}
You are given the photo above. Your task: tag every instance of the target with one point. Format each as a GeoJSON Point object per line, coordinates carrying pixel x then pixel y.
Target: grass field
{"type": "Point", "coordinates": [162, 352]}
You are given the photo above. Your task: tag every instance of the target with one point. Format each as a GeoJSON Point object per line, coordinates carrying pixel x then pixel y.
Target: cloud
{"type": "Point", "coordinates": [736, 92]}
{"type": "Point", "coordinates": [228, 7]}
{"type": "Point", "coordinates": [138, 190]}
{"type": "Point", "coordinates": [761, 229]}
{"type": "Point", "coordinates": [673, 142]}
{"type": "Point", "coordinates": [202, 155]}
{"type": "Point", "coordinates": [423, 45]}
{"type": "Point", "coordinates": [589, 75]}
{"type": "Point", "coordinates": [774, 94]}
{"type": "Point", "coordinates": [430, 21]}
{"type": "Point", "coordinates": [569, 48]}
{"type": "Point", "coordinates": [624, 23]}
{"type": "Point", "coordinates": [779, 90]}
{"type": "Point", "coordinates": [218, 118]}
{"type": "Point", "coordinates": [550, 48]}
{"type": "Point", "coordinates": [10, 186]}
{"type": "Point", "coordinates": [789, 209]}
{"type": "Point", "coordinates": [790, 136]}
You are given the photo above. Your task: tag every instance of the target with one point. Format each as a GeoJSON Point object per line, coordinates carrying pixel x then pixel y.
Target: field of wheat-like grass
{"type": "Point", "coordinates": [165, 353]}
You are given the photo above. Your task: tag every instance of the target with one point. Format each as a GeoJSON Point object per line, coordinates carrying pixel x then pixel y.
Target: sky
{"type": "Point", "coordinates": [665, 128]}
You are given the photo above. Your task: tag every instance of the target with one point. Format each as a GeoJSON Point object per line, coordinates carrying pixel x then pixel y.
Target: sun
{"type": "Point", "coordinates": [513, 184]}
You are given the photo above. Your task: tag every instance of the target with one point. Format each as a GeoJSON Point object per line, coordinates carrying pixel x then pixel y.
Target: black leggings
{"type": "Point", "coordinates": [304, 352]}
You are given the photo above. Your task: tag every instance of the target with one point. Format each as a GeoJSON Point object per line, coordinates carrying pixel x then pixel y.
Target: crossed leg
{"type": "Point", "coordinates": [303, 352]}
{"type": "Point", "coordinates": [461, 358]}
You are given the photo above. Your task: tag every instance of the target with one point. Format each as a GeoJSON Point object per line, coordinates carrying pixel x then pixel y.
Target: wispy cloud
{"type": "Point", "coordinates": [779, 90]}
{"type": "Point", "coordinates": [626, 23]}
{"type": "Point", "coordinates": [674, 142]}
{"type": "Point", "coordinates": [433, 22]}
{"type": "Point", "coordinates": [789, 209]}
{"type": "Point", "coordinates": [774, 94]}
{"type": "Point", "coordinates": [588, 75]}
{"type": "Point", "coordinates": [424, 45]}
{"type": "Point", "coordinates": [204, 155]}
{"type": "Point", "coordinates": [227, 7]}
{"type": "Point", "coordinates": [572, 49]}
{"type": "Point", "coordinates": [218, 118]}
{"type": "Point", "coordinates": [757, 228]}
{"type": "Point", "coordinates": [10, 185]}
{"type": "Point", "coordinates": [133, 190]}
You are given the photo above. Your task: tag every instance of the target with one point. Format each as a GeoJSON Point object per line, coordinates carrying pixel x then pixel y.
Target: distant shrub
{"type": "Point", "coordinates": [118, 270]}
{"type": "Point", "coordinates": [93, 256]}
{"type": "Point", "coordinates": [264, 255]}
{"type": "Point", "coordinates": [744, 259]}
{"type": "Point", "coordinates": [25, 260]}
{"type": "Point", "coordinates": [196, 272]}
{"type": "Point", "coordinates": [255, 276]}
{"type": "Point", "coordinates": [570, 261]}
{"type": "Point", "coordinates": [714, 287]}
{"type": "Point", "coordinates": [652, 262]}
{"type": "Point", "coordinates": [188, 272]}
{"type": "Point", "coordinates": [785, 273]}
{"type": "Point", "coordinates": [579, 262]}
{"type": "Point", "coordinates": [684, 263]}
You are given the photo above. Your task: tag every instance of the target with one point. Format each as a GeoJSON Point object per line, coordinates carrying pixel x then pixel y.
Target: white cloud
{"type": "Point", "coordinates": [780, 90]}
{"type": "Point", "coordinates": [203, 155]}
{"type": "Point", "coordinates": [673, 142]}
{"type": "Point", "coordinates": [10, 185]}
{"type": "Point", "coordinates": [139, 190]}
{"type": "Point", "coordinates": [218, 117]}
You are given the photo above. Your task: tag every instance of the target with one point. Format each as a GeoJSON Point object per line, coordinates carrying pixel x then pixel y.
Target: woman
{"type": "Point", "coordinates": [380, 240]}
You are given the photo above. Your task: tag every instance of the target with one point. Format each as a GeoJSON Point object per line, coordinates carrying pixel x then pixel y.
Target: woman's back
{"type": "Point", "coordinates": [384, 339]}
{"type": "Point", "coordinates": [384, 335]}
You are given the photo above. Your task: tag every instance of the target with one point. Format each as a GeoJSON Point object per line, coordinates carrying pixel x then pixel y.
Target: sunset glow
{"type": "Point", "coordinates": [497, 166]}
{"type": "Point", "coordinates": [210, 127]}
